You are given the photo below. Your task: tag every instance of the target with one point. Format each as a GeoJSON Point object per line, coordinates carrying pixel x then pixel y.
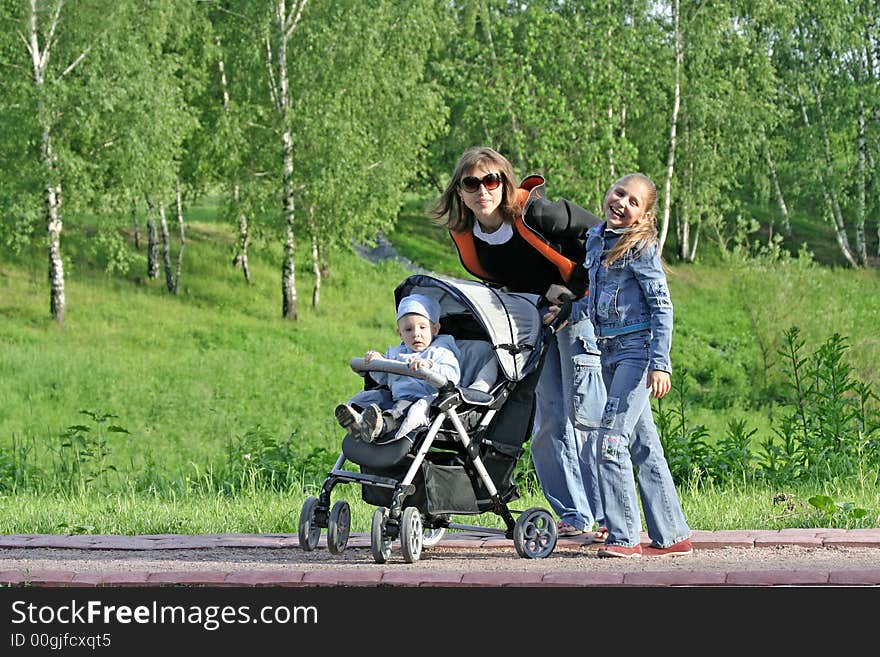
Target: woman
{"type": "Point", "coordinates": [514, 237]}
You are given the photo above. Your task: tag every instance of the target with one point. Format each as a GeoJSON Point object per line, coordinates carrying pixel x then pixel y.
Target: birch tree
{"type": "Point", "coordinates": [567, 90]}
{"type": "Point", "coordinates": [234, 114]}
{"type": "Point", "coordinates": [810, 77]}
{"type": "Point", "coordinates": [678, 40]}
{"type": "Point", "coordinates": [39, 26]}
{"type": "Point", "coordinates": [285, 21]}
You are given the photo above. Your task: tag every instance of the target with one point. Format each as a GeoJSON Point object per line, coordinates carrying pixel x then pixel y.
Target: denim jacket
{"type": "Point", "coordinates": [630, 295]}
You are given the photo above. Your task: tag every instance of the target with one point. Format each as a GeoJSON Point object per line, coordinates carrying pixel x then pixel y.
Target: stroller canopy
{"type": "Point", "coordinates": [511, 320]}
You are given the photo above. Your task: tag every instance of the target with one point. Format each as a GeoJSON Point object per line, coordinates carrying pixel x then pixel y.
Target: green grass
{"type": "Point", "coordinates": [259, 511]}
{"type": "Point", "coordinates": [185, 374]}
{"type": "Point", "coordinates": [201, 383]}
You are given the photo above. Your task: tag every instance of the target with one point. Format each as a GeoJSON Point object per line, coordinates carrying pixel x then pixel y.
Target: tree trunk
{"type": "Point", "coordinates": [135, 226]}
{"type": "Point", "coordinates": [152, 241]}
{"type": "Point", "coordinates": [683, 232]}
{"type": "Point", "coordinates": [692, 255]}
{"type": "Point", "coordinates": [683, 225]}
{"type": "Point", "coordinates": [783, 208]}
{"type": "Point", "coordinates": [670, 164]}
{"type": "Point", "coordinates": [861, 242]}
{"type": "Point", "coordinates": [288, 286]}
{"type": "Point", "coordinates": [58, 301]}
{"type": "Point", "coordinates": [182, 231]}
{"type": "Point", "coordinates": [166, 249]}
{"type": "Point", "coordinates": [830, 199]}
{"type": "Point", "coordinates": [287, 23]}
{"type": "Point", "coordinates": [49, 161]}
{"type": "Point", "coordinates": [288, 275]}
{"type": "Point", "coordinates": [224, 87]}
{"type": "Point", "coordinates": [316, 261]}
{"type": "Point", "coordinates": [241, 258]}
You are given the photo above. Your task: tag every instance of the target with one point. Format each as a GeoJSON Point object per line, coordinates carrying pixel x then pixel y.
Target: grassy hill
{"type": "Point", "coordinates": [143, 390]}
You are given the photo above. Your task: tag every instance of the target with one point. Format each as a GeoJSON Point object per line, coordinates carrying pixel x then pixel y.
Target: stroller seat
{"type": "Point", "coordinates": [479, 374]}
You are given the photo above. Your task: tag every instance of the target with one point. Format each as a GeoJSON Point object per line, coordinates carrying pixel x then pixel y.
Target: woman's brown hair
{"type": "Point", "coordinates": [458, 217]}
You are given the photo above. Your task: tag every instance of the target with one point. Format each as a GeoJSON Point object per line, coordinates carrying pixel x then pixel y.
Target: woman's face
{"type": "Point", "coordinates": [626, 203]}
{"type": "Point", "coordinates": [482, 189]}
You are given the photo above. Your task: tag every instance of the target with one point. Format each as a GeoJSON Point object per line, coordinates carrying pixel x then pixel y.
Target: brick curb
{"type": "Point", "coordinates": [701, 540]}
{"type": "Point", "coordinates": [391, 578]}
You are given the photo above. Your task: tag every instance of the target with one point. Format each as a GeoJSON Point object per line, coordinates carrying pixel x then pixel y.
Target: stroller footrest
{"type": "Point", "coordinates": [375, 455]}
{"type": "Point", "coordinates": [375, 480]}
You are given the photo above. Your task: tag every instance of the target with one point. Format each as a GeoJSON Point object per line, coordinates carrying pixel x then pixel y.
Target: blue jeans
{"type": "Point", "coordinates": [569, 482]}
{"type": "Point", "coordinates": [628, 439]}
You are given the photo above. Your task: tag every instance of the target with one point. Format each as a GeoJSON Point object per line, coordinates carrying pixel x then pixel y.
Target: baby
{"type": "Point", "coordinates": [371, 413]}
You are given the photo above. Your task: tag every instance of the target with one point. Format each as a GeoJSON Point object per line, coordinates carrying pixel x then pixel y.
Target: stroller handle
{"type": "Point", "coordinates": [361, 366]}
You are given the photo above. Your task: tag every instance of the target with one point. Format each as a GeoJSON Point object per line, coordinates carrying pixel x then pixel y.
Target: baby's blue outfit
{"type": "Point", "coordinates": [446, 356]}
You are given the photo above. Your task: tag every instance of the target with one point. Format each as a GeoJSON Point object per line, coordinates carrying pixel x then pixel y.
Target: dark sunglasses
{"type": "Point", "coordinates": [472, 184]}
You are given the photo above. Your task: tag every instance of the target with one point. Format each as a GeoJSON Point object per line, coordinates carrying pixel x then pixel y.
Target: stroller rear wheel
{"type": "Point", "coordinates": [309, 531]}
{"type": "Point", "coordinates": [380, 542]}
{"type": "Point", "coordinates": [411, 534]}
{"type": "Point", "coordinates": [338, 527]}
{"type": "Point", "coordinates": [534, 535]}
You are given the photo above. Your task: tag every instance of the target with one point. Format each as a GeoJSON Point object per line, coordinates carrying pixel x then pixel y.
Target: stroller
{"type": "Point", "coordinates": [463, 461]}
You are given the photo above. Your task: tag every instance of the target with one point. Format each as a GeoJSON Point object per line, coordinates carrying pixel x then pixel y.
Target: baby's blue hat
{"type": "Point", "coordinates": [419, 304]}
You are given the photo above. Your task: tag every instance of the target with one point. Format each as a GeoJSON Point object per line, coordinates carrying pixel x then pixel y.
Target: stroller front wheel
{"type": "Point", "coordinates": [338, 527]}
{"type": "Point", "coordinates": [380, 543]}
{"type": "Point", "coordinates": [411, 534]}
{"type": "Point", "coordinates": [534, 535]}
{"type": "Point", "coordinates": [309, 531]}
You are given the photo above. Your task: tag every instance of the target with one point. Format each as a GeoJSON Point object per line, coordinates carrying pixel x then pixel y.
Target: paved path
{"type": "Point", "coordinates": [390, 574]}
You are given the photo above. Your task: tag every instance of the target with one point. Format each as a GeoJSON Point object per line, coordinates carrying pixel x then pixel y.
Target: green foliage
{"type": "Point", "coordinates": [831, 509]}
{"type": "Point", "coordinates": [685, 446]}
{"type": "Point", "coordinates": [109, 247]}
{"type": "Point", "coordinates": [830, 433]}
{"type": "Point", "coordinates": [733, 456]}
{"type": "Point", "coordinates": [258, 459]}
{"type": "Point", "coordinates": [833, 425]}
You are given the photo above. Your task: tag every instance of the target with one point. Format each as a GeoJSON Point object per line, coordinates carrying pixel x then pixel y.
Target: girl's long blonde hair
{"type": "Point", "coordinates": [457, 215]}
{"type": "Point", "coordinates": [642, 233]}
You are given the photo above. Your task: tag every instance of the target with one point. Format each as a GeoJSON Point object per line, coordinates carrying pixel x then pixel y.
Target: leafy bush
{"type": "Point", "coordinates": [833, 426]}
{"type": "Point", "coordinates": [258, 458]}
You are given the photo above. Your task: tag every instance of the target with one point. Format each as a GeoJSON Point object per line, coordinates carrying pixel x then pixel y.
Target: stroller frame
{"type": "Point", "coordinates": [533, 531]}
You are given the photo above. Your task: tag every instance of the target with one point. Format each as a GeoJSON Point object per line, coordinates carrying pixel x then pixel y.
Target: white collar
{"type": "Point", "coordinates": [500, 236]}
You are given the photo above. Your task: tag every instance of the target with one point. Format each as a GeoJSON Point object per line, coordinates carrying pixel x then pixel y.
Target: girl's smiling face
{"type": "Point", "coordinates": [626, 203]}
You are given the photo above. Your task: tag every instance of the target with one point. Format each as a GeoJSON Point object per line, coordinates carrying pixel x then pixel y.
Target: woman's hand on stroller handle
{"type": "Point", "coordinates": [556, 316]}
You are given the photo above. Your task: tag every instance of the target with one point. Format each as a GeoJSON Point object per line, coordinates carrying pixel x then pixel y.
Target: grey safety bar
{"type": "Point", "coordinates": [360, 366]}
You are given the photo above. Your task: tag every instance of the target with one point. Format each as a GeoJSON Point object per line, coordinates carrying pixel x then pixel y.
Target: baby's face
{"type": "Point", "coordinates": [416, 331]}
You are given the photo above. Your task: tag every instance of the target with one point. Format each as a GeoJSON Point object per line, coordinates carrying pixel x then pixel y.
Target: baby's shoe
{"type": "Point", "coordinates": [348, 418]}
{"type": "Point", "coordinates": [371, 423]}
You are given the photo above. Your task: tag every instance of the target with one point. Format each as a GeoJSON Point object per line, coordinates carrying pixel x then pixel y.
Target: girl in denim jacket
{"type": "Point", "coordinates": [631, 311]}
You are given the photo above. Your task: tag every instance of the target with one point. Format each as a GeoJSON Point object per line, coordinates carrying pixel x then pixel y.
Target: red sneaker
{"type": "Point", "coordinates": [620, 551]}
{"type": "Point", "coordinates": [679, 549]}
